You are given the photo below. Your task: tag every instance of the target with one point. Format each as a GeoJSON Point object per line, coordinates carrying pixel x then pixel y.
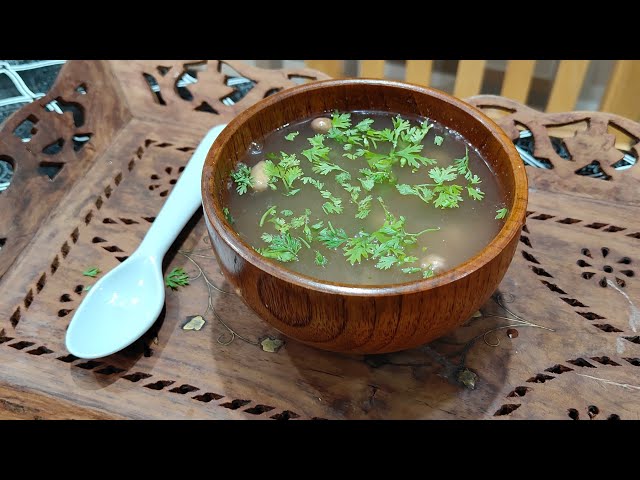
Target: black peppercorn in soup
{"type": "Point", "coordinates": [365, 198]}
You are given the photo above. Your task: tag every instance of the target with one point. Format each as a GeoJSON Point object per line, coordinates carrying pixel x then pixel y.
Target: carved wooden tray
{"type": "Point", "coordinates": [559, 340]}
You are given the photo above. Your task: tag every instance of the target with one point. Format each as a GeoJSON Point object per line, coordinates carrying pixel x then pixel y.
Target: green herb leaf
{"type": "Point", "coordinates": [177, 278]}
{"type": "Point", "coordinates": [411, 270]}
{"type": "Point", "coordinates": [501, 213]}
{"type": "Point", "coordinates": [364, 125]}
{"type": "Point", "coordinates": [318, 150]}
{"type": "Point", "coordinates": [371, 178]}
{"type": "Point", "coordinates": [291, 136]}
{"type": "Point", "coordinates": [358, 247]}
{"type": "Point", "coordinates": [364, 207]}
{"type": "Point", "coordinates": [340, 120]}
{"type": "Point", "coordinates": [228, 216]}
{"type": "Point", "coordinates": [319, 185]}
{"type": "Point", "coordinates": [462, 164]}
{"type": "Point", "coordinates": [405, 189]}
{"type": "Point", "coordinates": [441, 175]}
{"type": "Point", "coordinates": [323, 168]}
{"type": "Point", "coordinates": [333, 206]}
{"type": "Point", "coordinates": [283, 248]}
{"type": "Point", "coordinates": [343, 178]}
{"type": "Point", "coordinates": [475, 193]}
{"type": "Point", "coordinates": [270, 211]}
{"type": "Point", "coordinates": [286, 213]}
{"type": "Point", "coordinates": [367, 183]}
{"type": "Point", "coordinates": [422, 191]}
{"type": "Point", "coordinates": [386, 262]}
{"type": "Point", "coordinates": [409, 156]}
{"type": "Point", "coordinates": [438, 140]}
{"type": "Point", "coordinates": [91, 272]}
{"type": "Point", "coordinates": [331, 237]}
{"type": "Point", "coordinates": [243, 179]}
{"type": "Point", "coordinates": [320, 259]}
{"type": "Point", "coordinates": [287, 170]}
{"type": "Point", "coordinates": [415, 135]}
{"type": "Point", "coordinates": [448, 196]}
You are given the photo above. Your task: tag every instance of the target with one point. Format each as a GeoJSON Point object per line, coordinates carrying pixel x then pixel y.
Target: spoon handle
{"type": "Point", "coordinates": [184, 200]}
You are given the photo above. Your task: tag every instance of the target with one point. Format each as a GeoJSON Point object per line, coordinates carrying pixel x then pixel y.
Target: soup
{"type": "Point", "coordinates": [365, 198]}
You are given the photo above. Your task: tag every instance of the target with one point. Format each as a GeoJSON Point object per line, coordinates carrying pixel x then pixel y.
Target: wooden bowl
{"type": "Point", "coordinates": [367, 319]}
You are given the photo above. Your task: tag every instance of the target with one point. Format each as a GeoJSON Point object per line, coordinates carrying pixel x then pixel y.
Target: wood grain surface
{"type": "Point", "coordinates": [495, 366]}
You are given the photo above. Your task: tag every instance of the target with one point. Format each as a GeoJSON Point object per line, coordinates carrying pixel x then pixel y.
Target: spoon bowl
{"type": "Point", "coordinates": [123, 304]}
{"type": "Point", "coordinates": [109, 317]}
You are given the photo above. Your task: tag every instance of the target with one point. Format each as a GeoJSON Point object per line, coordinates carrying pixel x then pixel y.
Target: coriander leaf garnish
{"type": "Point", "coordinates": [358, 247]}
{"type": "Point", "coordinates": [318, 150]}
{"type": "Point", "coordinates": [320, 259]}
{"type": "Point", "coordinates": [386, 262]}
{"type": "Point", "coordinates": [462, 167]}
{"type": "Point", "coordinates": [409, 156]}
{"type": "Point", "coordinates": [357, 154]}
{"type": "Point", "coordinates": [475, 193]}
{"type": "Point", "coordinates": [287, 170]}
{"type": "Point", "coordinates": [283, 247]}
{"type": "Point", "coordinates": [441, 175]}
{"type": "Point", "coordinates": [228, 216]}
{"type": "Point", "coordinates": [324, 168]}
{"type": "Point", "coordinates": [428, 272]}
{"type": "Point", "coordinates": [364, 125]}
{"type": "Point", "coordinates": [501, 213]}
{"type": "Point", "coordinates": [177, 278]}
{"type": "Point", "coordinates": [332, 237]}
{"type": "Point", "coordinates": [280, 224]}
{"type": "Point", "coordinates": [423, 191]}
{"type": "Point", "coordinates": [364, 207]}
{"type": "Point", "coordinates": [415, 135]}
{"type": "Point", "coordinates": [340, 120]}
{"type": "Point", "coordinates": [390, 241]}
{"type": "Point", "coordinates": [91, 272]}
{"type": "Point", "coordinates": [371, 178]}
{"type": "Point", "coordinates": [448, 196]}
{"type": "Point", "coordinates": [291, 136]}
{"type": "Point", "coordinates": [284, 226]}
{"type": "Point", "coordinates": [242, 177]}
{"type": "Point", "coordinates": [343, 177]}
{"type": "Point", "coordinates": [405, 189]}
{"type": "Point", "coordinates": [334, 205]}
{"type": "Point", "coordinates": [270, 211]}
{"type": "Point", "coordinates": [462, 164]}
{"type": "Point", "coordinates": [319, 185]}
{"type": "Point", "coordinates": [438, 140]}
{"type": "Point", "coordinates": [367, 183]}
{"type": "Point", "coordinates": [411, 270]}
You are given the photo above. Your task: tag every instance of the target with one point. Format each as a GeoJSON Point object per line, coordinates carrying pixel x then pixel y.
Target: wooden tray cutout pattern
{"type": "Point", "coordinates": [587, 367]}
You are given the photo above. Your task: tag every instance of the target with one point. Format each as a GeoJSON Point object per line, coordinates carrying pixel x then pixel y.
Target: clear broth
{"type": "Point", "coordinates": [464, 231]}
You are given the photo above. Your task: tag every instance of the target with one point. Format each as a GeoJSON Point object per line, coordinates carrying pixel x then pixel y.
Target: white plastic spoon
{"type": "Point", "coordinates": [123, 304]}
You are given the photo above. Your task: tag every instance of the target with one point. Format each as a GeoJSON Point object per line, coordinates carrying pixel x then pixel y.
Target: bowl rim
{"type": "Point", "coordinates": [511, 227]}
